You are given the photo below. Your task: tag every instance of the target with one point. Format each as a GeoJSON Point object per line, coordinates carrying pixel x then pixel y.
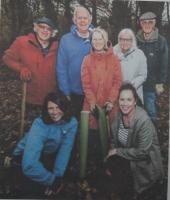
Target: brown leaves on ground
{"type": "Point", "coordinates": [74, 189]}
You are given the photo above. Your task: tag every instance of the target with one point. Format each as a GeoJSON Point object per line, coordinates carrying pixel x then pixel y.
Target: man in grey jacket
{"type": "Point", "coordinates": [155, 49]}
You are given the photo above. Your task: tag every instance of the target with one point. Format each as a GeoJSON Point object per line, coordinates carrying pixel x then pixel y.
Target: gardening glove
{"type": "Point", "coordinates": [92, 107]}
{"type": "Point", "coordinates": [68, 97]}
{"type": "Point", "coordinates": [25, 74]}
{"type": "Point", "coordinates": [7, 161]}
{"type": "Point", "coordinates": [108, 106]}
{"type": "Point", "coordinates": [159, 88]}
{"type": "Point", "coordinates": [55, 188]}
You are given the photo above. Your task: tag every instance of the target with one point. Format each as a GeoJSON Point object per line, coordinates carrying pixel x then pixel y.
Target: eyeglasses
{"type": "Point", "coordinates": [44, 27]}
{"type": "Point", "coordinates": [82, 18]}
{"type": "Point", "coordinates": [150, 22]}
{"type": "Point", "coordinates": [126, 39]}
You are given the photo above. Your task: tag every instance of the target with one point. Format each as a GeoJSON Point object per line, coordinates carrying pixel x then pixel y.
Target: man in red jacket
{"type": "Point", "coordinates": [34, 57]}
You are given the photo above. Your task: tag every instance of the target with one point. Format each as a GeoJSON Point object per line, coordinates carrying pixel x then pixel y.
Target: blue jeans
{"type": "Point", "coordinates": [150, 104]}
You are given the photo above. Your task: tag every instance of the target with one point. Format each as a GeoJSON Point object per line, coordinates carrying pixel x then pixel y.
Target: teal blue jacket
{"type": "Point", "coordinates": [46, 139]}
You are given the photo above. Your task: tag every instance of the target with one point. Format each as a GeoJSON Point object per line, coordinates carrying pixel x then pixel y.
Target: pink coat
{"type": "Point", "coordinates": [101, 79]}
{"type": "Point", "coordinates": [25, 52]}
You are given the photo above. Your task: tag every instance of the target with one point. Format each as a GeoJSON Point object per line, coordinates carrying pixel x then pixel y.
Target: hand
{"type": "Point", "coordinates": [92, 107]}
{"type": "Point", "coordinates": [68, 97]}
{"type": "Point", "coordinates": [159, 88]}
{"type": "Point", "coordinates": [111, 153]}
{"type": "Point", "coordinates": [108, 106]}
{"type": "Point", "coordinates": [55, 188]}
{"type": "Point", "coordinates": [25, 74]}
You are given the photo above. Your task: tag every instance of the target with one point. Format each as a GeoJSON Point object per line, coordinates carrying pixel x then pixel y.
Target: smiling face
{"type": "Point", "coordinates": [98, 41]}
{"type": "Point", "coordinates": [82, 20]}
{"type": "Point", "coordinates": [54, 111]}
{"type": "Point", "coordinates": [43, 32]}
{"type": "Point", "coordinates": [125, 42]}
{"type": "Point", "coordinates": [127, 102]}
{"type": "Point", "coordinates": [148, 25]}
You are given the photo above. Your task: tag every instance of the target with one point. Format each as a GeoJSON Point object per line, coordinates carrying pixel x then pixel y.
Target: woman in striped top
{"type": "Point", "coordinates": [134, 160]}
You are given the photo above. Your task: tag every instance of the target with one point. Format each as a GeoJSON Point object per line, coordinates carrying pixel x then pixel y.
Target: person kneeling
{"type": "Point", "coordinates": [134, 160]}
{"type": "Point", "coordinates": [45, 150]}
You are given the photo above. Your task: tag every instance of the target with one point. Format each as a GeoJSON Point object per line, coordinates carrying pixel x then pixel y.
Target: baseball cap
{"type": "Point", "coordinates": [45, 20]}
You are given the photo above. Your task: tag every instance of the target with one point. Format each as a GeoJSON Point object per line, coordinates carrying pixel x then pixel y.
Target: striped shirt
{"type": "Point", "coordinates": [123, 134]}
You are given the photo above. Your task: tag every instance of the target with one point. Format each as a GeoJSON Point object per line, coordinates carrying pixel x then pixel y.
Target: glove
{"type": "Point", "coordinates": [68, 97]}
{"type": "Point", "coordinates": [159, 88]}
{"type": "Point", "coordinates": [92, 107]}
{"type": "Point", "coordinates": [55, 188]}
{"type": "Point", "coordinates": [25, 74]}
{"type": "Point", "coordinates": [108, 106]}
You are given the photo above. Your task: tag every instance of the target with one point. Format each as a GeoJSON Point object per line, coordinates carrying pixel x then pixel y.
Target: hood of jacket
{"type": "Point", "coordinates": [74, 30]}
{"type": "Point", "coordinates": [117, 50]}
{"type": "Point", "coordinates": [154, 36]}
{"type": "Point", "coordinates": [32, 39]}
{"type": "Point", "coordinates": [95, 54]}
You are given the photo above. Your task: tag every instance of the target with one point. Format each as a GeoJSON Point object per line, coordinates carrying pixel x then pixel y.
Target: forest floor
{"type": "Point", "coordinates": [74, 188]}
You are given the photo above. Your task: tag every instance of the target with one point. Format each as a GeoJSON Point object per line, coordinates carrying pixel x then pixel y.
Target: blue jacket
{"type": "Point", "coordinates": [72, 50]}
{"type": "Point", "coordinates": [47, 139]}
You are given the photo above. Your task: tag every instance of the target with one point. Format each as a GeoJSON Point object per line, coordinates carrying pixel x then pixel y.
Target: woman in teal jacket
{"type": "Point", "coordinates": [51, 134]}
{"type": "Point", "coordinates": [135, 152]}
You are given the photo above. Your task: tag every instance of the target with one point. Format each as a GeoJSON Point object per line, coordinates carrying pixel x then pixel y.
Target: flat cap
{"type": "Point", "coordinates": [147, 15]}
{"type": "Point", "coordinates": [45, 20]}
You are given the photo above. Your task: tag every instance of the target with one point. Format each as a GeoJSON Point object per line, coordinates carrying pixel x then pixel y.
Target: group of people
{"type": "Point", "coordinates": [82, 72]}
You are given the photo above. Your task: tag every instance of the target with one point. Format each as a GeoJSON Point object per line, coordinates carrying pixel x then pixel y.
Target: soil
{"type": "Point", "coordinates": [74, 188]}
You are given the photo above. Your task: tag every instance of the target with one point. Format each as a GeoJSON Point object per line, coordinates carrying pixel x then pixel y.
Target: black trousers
{"type": "Point", "coordinates": [24, 187]}
{"type": "Point", "coordinates": [77, 104]}
{"type": "Point", "coordinates": [120, 181]}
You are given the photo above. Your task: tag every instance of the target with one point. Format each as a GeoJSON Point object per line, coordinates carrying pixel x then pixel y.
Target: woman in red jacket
{"type": "Point", "coordinates": [101, 76]}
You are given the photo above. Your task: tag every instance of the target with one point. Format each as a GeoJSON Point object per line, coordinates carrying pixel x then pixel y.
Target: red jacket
{"type": "Point", "coordinates": [26, 52]}
{"type": "Point", "coordinates": [101, 79]}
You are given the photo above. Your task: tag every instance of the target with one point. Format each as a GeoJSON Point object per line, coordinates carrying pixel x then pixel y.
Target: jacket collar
{"type": "Point", "coordinates": [154, 36]}
{"type": "Point", "coordinates": [74, 30]}
{"type": "Point", "coordinates": [95, 54]}
{"type": "Point", "coordinates": [33, 40]}
{"type": "Point", "coordinates": [118, 52]}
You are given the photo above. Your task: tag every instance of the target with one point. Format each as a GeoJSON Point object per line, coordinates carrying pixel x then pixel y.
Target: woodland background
{"type": "Point", "coordinates": [16, 18]}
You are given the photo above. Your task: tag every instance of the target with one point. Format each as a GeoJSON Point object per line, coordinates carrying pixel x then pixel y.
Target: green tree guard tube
{"type": "Point", "coordinates": [103, 130]}
{"type": "Point", "coordinates": [84, 127]}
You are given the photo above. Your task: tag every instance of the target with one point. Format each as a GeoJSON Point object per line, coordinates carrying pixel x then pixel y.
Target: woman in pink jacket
{"type": "Point", "coordinates": [101, 76]}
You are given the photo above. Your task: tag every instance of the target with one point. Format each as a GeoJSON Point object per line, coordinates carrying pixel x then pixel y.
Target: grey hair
{"type": "Point", "coordinates": [53, 34]}
{"type": "Point", "coordinates": [129, 32]}
{"type": "Point", "coordinates": [77, 7]}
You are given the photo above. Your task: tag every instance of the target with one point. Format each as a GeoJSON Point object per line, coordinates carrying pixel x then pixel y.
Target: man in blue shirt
{"type": "Point", "coordinates": [74, 46]}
